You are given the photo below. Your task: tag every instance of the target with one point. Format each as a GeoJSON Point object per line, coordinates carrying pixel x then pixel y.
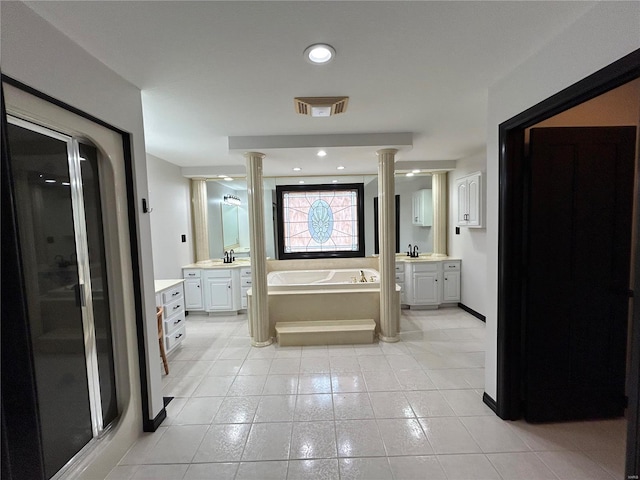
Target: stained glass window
{"type": "Point", "coordinates": [321, 220]}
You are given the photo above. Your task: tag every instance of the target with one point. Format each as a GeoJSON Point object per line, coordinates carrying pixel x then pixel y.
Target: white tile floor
{"type": "Point", "coordinates": [409, 410]}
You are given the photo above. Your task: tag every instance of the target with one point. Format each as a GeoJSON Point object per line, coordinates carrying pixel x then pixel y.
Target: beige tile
{"type": "Point", "coordinates": [573, 466]}
{"type": "Point", "coordinates": [417, 468]}
{"type": "Point", "coordinates": [468, 467]}
{"type": "Point", "coordinates": [520, 466]}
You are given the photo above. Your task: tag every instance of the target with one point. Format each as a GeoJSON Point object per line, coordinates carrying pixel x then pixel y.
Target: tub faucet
{"type": "Point", "coordinates": [362, 277]}
{"type": "Point", "coordinates": [415, 251]}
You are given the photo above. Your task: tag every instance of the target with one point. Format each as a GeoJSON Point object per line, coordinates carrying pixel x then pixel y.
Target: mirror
{"type": "Point", "coordinates": [230, 232]}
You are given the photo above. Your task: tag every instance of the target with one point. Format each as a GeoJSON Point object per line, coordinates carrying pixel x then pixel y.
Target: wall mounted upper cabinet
{"type": "Point", "coordinates": [469, 195]}
{"type": "Point", "coordinates": [423, 208]}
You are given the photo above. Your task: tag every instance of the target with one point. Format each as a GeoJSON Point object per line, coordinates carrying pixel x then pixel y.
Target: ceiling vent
{"type": "Point", "coordinates": [320, 106]}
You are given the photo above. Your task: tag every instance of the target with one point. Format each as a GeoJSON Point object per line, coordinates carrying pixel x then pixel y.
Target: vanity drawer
{"type": "Point", "coordinates": [176, 321]}
{"type": "Point", "coordinates": [399, 277]}
{"type": "Point", "coordinates": [425, 267]}
{"type": "Point", "coordinates": [217, 273]}
{"type": "Point", "coordinates": [399, 267]}
{"type": "Point", "coordinates": [191, 273]}
{"type": "Point", "coordinates": [173, 339]}
{"type": "Point", "coordinates": [245, 282]}
{"type": "Point", "coordinates": [173, 308]}
{"type": "Point", "coordinates": [245, 272]}
{"type": "Point", "coordinates": [171, 295]}
{"type": "Point", "coordinates": [244, 297]}
{"type": "Point", "coordinates": [451, 266]}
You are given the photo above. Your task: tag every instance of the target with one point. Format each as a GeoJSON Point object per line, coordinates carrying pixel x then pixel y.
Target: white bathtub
{"type": "Point", "coordinates": [324, 279]}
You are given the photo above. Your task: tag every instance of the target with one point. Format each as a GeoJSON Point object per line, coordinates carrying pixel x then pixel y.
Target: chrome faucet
{"type": "Point", "coordinates": [362, 276]}
{"type": "Point", "coordinates": [415, 251]}
{"type": "Point", "coordinates": [231, 257]}
{"type": "Point", "coordinates": [409, 251]}
{"type": "Point", "coordinates": [226, 258]}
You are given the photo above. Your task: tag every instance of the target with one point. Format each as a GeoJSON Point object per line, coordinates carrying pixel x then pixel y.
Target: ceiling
{"type": "Point", "coordinates": [210, 71]}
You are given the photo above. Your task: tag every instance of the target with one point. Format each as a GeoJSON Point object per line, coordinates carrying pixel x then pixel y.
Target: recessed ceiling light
{"type": "Point", "coordinates": [322, 153]}
{"type": "Point", "coordinates": [296, 169]}
{"type": "Point", "coordinates": [228, 179]}
{"type": "Point", "coordinates": [410, 174]}
{"type": "Point", "coordinates": [301, 181]}
{"type": "Point", "coordinates": [319, 53]}
{"type": "Point", "coordinates": [417, 170]}
{"type": "Point", "coordinates": [340, 167]}
{"type": "Point", "coordinates": [49, 181]}
{"type": "Point", "coordinates": [334, 181]}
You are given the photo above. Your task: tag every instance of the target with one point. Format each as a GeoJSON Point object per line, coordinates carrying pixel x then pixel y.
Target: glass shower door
{"type": "Point", "coordinates": [65, 286]}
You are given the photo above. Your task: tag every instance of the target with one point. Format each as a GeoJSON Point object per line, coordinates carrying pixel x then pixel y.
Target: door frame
{"type": "Point", "coordinates": [512, 238]}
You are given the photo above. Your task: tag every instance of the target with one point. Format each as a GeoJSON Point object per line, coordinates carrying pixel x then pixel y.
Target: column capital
{"type": "Point", "coordinates": [384, 151]}
{"type": "Point", "coordinates": [249, 155]}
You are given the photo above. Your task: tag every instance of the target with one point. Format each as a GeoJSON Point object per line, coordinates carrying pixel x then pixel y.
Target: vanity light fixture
{"type": "Point", "coordinates": [301, 181]}
{"type": "Point", "coordinates": [66, 184]}
{"type": "Point", "coordinates": [319, 53]}
{"type": "Point", "coordinates": [322, 153]}
{"type": "Point", "coordinates": [340, 167]}
{"type": "Point", "coordinates": [231, 200]}
{"type": "Point", "coordinates": [334, 181]}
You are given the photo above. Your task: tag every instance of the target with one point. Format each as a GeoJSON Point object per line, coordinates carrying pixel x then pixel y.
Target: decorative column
{"type": "Point", "coordinates": [259, 307]}
{"type": "Point", "coordinates": [389, 303]}
{"type": "Point", "coordinates": [439, 192]}
{"type": "Point", "coordinates": [200, 224]}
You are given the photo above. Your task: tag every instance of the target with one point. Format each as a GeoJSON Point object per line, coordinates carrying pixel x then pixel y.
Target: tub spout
{"type": "Point", "coordinates": [363, 278]}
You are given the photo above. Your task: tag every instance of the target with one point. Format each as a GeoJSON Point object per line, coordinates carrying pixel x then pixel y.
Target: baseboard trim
{"type": "Point", "coordinates": [151, 425]}
{"type": "Point", "coordinates": [490, 402]}
{"type": "Point", "coordinates": [473, 312]}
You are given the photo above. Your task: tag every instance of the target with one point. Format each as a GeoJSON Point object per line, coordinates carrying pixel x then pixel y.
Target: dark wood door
{"type": "Point", "coordinates": [577, 287]}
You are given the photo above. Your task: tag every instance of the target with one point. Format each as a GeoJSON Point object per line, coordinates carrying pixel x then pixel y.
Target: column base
{"type": "Point", "coordinates": [389, 339]}
{"type": "Point", "coordinates": [261, 344]}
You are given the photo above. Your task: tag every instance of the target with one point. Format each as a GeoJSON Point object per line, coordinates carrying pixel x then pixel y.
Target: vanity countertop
{"type": "Point", "coordinates": [161, 285]}
{"type": "Point", "coordinates": [402, 257]}
{"type": "Point", "coordinates": [209, 264]}
{"type": "Point", "coordinates": [246, 262]}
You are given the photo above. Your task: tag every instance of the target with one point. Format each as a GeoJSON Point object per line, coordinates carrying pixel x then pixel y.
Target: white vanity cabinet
{"type": "Point", "coordinates": [245, 285]}
{"type": "Point", "coordinates": [400, 282]}
{"type": "Point", "coordinates": [218, 294]}
{"type": "Point", "coordinates": [451, 282]}
{"type": "Point", "coordinates": [212, 290]}
{"type": "Point", "coordinates": [422, 211]}
{"type": "Point", "coordinates": [424, 289]}
{"type": "Point", "coordinates": [469, 196]}
{"type": "Point", "coordinates": [170, 296]}
{"type": "Point", "coordinates": [430, 283]}
{"type": "Point", "coordinates": [193, 298]}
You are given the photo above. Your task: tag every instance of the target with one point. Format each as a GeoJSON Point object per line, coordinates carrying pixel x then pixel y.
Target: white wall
{"type": "Point", "coordinates": [471, 244]}
{"type": "Point", "coordinates": [604, 34]}
{"type": "Point", "coordinates": [169, 196]}
{"type": "Point", "coordinates": [37, 54]}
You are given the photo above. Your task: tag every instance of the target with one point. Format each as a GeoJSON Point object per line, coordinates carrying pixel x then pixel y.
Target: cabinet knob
{"type": "Point", "coordinates": [198, 286]}
{"type": "Point", "coordinates": [177, 307]}
{"type": "Point", "coordinates": [175, 293]}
